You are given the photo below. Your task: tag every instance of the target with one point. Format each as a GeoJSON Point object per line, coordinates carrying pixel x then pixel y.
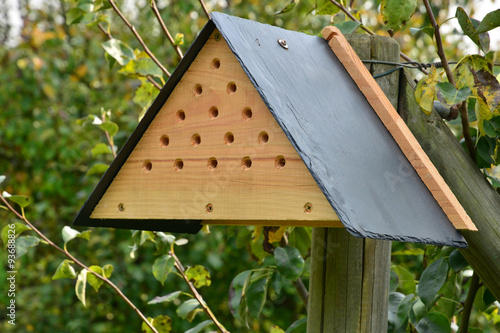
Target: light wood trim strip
{"type": "Point", "coordinates": [398, 129]}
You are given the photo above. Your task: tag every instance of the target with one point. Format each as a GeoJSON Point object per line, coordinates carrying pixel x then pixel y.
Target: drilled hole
{"type": "Point", "coordinates": [216, 63]}
{"type": "Point", "coordinates": [195, 140]}
{"type": "Point", "coordinates": [121, 207]}
{"type": "Point", "coordinates": [178, 164]}
{"type": "Point", "coordinates": [209, 208]}
{"type": "Point", "coordinates": [228, 138]}
{"type": "Point", "coordinates": [164, 140]}
{"type": "Point", "coordinates": [147, 166]}
{"type": "Point", "coordinates": [279, 162]}
{"type": "Point", "coordinates": [213, 112]}
{"type": "Point", "coordinates": [246, 113]}
{"type": "Point", "coordinates": [308, 207]}
{"type": "Point", "coordinates": [263, 138]}
{"type": "Point", "coordinates": [231, 88]}
{"type": "Point", "coordinates": [212, 163]}
{"type": "Point", "coordinates": [246, 163]}
{"type": "Point", "coordinates": [180, 115]}
{"type": "Point", "coordinates": [197, 90]}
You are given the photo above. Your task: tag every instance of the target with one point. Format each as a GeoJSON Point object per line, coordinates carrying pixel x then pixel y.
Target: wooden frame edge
{"type": "Point", "coordinates": [398, 129]}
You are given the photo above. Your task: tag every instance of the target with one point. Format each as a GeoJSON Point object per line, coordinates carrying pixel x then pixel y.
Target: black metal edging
{"type": "Point", "coordinates": [188, 226]}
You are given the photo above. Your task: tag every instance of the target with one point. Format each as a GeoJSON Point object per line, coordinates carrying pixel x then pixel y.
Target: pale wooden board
{"type": "Point", "coordinates": [398, 129]}
{"type": "Point", "coordinates": [261, 194]}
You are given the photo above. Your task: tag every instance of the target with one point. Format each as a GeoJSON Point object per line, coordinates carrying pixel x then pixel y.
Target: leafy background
{"type": "Point", "coordinates": [65, 94]}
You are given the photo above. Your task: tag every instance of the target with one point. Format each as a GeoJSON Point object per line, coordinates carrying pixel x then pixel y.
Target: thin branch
{"type": "Point", "coordinates": [154, 82]}
{"type": "Point", "coordinates": [136, 34]}
{"type": "Point", "coordinates": [469, 301]}
{"type": "Point", "coordinates": [348, 13]}
{"type": "Point", "coordinates": [199, 298]}
{"type": "Point", "coordinates": [79, 263]}
{"type": "Point", "coordinates": [205, 9]}
{"type": "Point", "coordinates": [106, 32]}
{"type": "Point", "coordinates": [451, 79]}
{"type": "Point", "coordinates": [165, 29]}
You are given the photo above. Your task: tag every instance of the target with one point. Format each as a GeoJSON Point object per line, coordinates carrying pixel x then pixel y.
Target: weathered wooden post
{"type": "Point", "coordinates": [349, 284]}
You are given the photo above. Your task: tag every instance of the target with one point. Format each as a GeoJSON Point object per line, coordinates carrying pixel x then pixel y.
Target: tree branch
{"type": "Point", "coordinates": [165, 29]}
{"type": "Point", "coordinates": [451, 79]}
{"type": "Point", "coordinates": [205, 9]}
{"type": "Point", "coordinates": [196, 294]}
{"type": "Point", "coordinates": [136, 34]}
{"type": "Point", "coordinates": [348, 13]}
{"type": "Point", "coordinates": [469, 301]}
{"type": "Point", "coordinates": [79, 263]}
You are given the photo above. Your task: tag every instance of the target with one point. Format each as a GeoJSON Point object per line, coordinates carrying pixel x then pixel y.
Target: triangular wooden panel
{"type": "Point", "coordinates": [214, 152]}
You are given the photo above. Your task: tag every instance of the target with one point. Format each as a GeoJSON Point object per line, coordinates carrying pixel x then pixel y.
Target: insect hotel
{"type": "Point", "coordinates": [264, 126]}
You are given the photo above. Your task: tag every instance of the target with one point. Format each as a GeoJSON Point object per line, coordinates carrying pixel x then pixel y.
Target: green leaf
{"type": "Point", "coordinates": [81, 285]}
{"type": "Point", "coordinates": [181, 241]}
{"type": "Point", "coordinates": [276, 329]}
{"type": "Point", "coordinates": [179, 39]}
{"type": "Point", "coordinates": [163, 324]}
{"type": "Point", "coordinates": [427, 30]}
{"type": "Point", "coordinates": [393, 281]}
{"type": "Point", "coordinates": [467, 26]}
{"type": "Point", "coordinates": [101, 5]}
{"type": "Point", "coordinates": [21, 200]}
{"type": "Point", "coordinates": [489, 22]}
{"type": "Point", "coordinates": [289, 261]}
{"type": "Point", "coordinates": [187, 307]}
{"type": "Point", "coordinates": [406, 280]}
{"type": "Point", "coordinates": [489, 129]}
{"type": "Point", "coordinates": [409, 252]}
{"type": "Point", "coordinates": [457, 261]}
{"type": "Point", "coordinates": [463, 71]}
{"type": "Point", "coordinates": [277, 282]}
{"type": "Point", "coordinates": [298, 326]}
{"type": "Point", "coordinates": [449, 96]}
{"type": "Point", "coordinates": [396, 13]}
{"type": "Point", "coordinates": [200, 326]}
{"type": "Point", "coordinates": [395, 300]}
{"type": "Point", "coordinates": [64, 270]}
{"type": "Point", "coordinates": [291, 5]}
{"type": "Point", "coordinates": [24, 243]}
{"type": "Point", "coordinates": [236, 289]}
{"type": "Point", "coordinates": [198, 275]}
{"type": "Point", "coordinates": [167, 298]}
{"type": "Point", "coordinates": [68, 234]}
{"type": "Point", "coordinates": [162, 267]}
{"type": "Point", "coordinates": [403, 312]}
{"type": "Point", "coordinates": [433, 322]}
{"type": "Point", "coordinates": [432, 280]}
{"type": "Point", "coordinates": [93, 280]}
{"type": "Point", "coordinates": [101, 148]}
{"type": "Point", "coordinates": [426, 90]}
{"type": "Point", "coordinates": [120, 51]}
{"type": "Point", "coordinates": [110, 127]}
{"type": "Point", "coordinates": [348, 27]}
{"type": "Point", "coordinates": [2, 178]}
{"type": "Point", "coordinates": [145, 328]}
{"type": "Point", "coordinates": [325, 7]}
{"type": "Point", "coordinates": [485, 149]}
{"type": "Point", "coordinates": [107, 270]}
{"type": "Point", "coordinates": [487, 88]}
{"type": "Point", "coordinates": [141, 67]}
{"type": "Point", "coordinates": [256, 294]}
{"type": "Point", "coordinates": [17, 228]}
{"type": "Point", "coordinates": [417, 312]}
{"type": "Point", "coordinates": [97, 168]}
{"type": "Point", "coordinates": [74, 15]}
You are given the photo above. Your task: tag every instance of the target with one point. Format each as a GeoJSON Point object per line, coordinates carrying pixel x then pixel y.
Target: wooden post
{"type": "Point", "coordinates": [349, 283]}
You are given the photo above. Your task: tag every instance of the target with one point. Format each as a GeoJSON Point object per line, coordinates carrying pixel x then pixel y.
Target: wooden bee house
{"type": "Point", "coordinates": [260, 125]}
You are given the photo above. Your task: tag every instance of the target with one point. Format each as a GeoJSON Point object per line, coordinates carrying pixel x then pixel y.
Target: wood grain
{"type": "Point", "coordinates": [398, 129]}
{"type": "Point", "coordinates": [223, 178]}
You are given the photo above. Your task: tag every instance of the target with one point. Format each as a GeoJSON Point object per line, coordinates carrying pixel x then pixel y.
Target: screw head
{"type": "Point", "coordinates": [217, 37]}
{"type": "Point", "coordinates": [283, 43]}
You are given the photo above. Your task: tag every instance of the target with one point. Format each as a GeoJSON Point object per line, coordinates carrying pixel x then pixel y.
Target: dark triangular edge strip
{"type": "Point", "coordinates": [178, 226]}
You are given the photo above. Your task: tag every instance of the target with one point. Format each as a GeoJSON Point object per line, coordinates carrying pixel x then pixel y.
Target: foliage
{"type": "Point", "coordinates": [78, 82]}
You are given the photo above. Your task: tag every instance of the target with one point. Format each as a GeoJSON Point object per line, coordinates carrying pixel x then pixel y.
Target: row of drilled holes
{"type": "Point", "coordinates": [212, 164]}
{"type": "Point", "coordinates": [213, 113]}
{"type": "Point", "coordinates": [262, 138]}
{"type": "Point", "coordinates": [230, 89]}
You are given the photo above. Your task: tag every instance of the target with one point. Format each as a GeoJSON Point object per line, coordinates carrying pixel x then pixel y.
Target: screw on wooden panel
{"type": "Point", "coordinates": [217, 36]}
{"type": "Point", "coordinates": [209, 208]}
{"type": "Point", "coordinates": [121, 207]}
{"type": "Point", "coordinates": [308, 207]}
{"type": "Point", "coordinates": [283, 43]}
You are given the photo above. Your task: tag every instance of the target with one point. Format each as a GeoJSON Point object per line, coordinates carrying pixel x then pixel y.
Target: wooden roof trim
{"type": "Point", "coordinates": [398, 129]}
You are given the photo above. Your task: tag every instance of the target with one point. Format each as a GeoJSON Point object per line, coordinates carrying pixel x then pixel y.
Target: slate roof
{"type": "Point", "coordinates": [363, 173]}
